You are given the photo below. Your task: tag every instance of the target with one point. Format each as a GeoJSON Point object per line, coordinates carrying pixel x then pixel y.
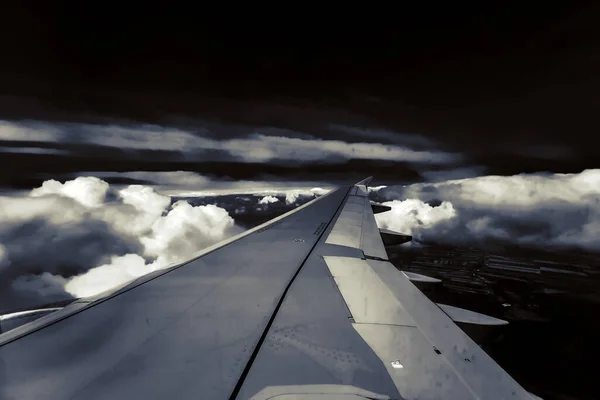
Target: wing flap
{"type": "Point", "coordinates": [367, 297]}
{"type": "Point", "coordinates": [416, 369]}
{"type": "Point", "coordinates": [474, 367]}
{"type": "Point", "coordinates": [356, 227]}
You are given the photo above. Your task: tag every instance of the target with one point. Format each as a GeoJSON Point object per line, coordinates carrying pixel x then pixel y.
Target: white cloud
{"type": "Point", "coordinates": [119, 270]}
{"type": "Point", "coordinates": [517, 191]}
{"type": "Point", "coordinates": [319, 191]}
{"type": "Point", "coordinates": [268, 200]}
{"type": "Point", "coordinates": [412, 216]}
{"type": "Point", "coordinates": [89, 191]}
{"type": "Point", "coordinates": [530, 209]}
{"type": "Point", "coordinates": [292, 196]}
{"type": "Point", "coordinates": [84, 237]}
{"type": "Point", "coordinates": [185, 230]}
{"type": "Point", "coordinates": [145, 198]}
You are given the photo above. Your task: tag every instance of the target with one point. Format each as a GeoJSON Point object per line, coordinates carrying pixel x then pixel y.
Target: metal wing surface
{"type": "Point", "coordinates": [304, 306]}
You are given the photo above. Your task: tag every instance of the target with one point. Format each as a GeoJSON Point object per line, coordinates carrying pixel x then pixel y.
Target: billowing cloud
{"type": "Point", "coordinates": [268, 200]}
{"type": "Point", "coordinates": [118, 270]}
{"type": "Point", "coordinates": [256, 147]}
{"type": "Point", "coordinates": [292, 196]}
{"type": "Point", "coordinates": [89, 191]}
{"type": "Point", "coordinates": [413, 216]}
{"type": "Point", "coordinates": [82, 236]}
{"type": "Point", "coordinates": [376, 188]}
{"type": "Point", "coordinates": [168, 238]}
{"type": "Point", "coordinates": [527, 209]}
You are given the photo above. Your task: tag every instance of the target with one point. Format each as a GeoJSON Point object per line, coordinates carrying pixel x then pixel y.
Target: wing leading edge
{"type": "Point", "coordinates": [306, 304]}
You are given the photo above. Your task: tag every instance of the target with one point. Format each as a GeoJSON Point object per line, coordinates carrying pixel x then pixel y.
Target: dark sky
{"type": "Point", "coordinates": [511, 86]}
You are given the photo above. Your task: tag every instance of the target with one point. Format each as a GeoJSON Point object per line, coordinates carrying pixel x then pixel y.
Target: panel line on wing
{"type": "Point", "coordinates": [380, 323]}
{"type": "Point", "coordinates": [262, 338]}
{"type": "Point", "coordinates": [347, 230]}
{"type": "Point", "coordinates": [472, 366]}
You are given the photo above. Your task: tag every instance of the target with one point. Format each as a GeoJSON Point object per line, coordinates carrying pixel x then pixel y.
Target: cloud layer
{"type": "Point", "coordinates": [191, 184]}
{"type": "Point", "coordinates": [256, 147]}
{"type": "Point", "coordinates": [82, 236]}
{"type": "Point", "coordinates": [529, 209]}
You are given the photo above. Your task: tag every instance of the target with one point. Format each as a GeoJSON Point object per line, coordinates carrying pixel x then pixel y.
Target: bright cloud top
{"type": "Point", "coordinates": [87, 237]}
{"type": "Point", "coordinates": [412, 216]}
{"type": "Point", "coordinates": [529, 209]}
{"type": "Point", "coordinates": [257, 147]}
{"type": "Point", "coordinates": [268, 200]}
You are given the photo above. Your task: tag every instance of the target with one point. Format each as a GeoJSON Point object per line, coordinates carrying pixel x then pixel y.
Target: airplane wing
{"type": "Point", "coordinates": [304, 306]}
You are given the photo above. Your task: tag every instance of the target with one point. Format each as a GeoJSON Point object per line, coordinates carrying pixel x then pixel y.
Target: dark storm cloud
{"type": "Point", "coordinates": [262, 153]}
{"type": "Point", "coordinates": [43, 241]}
{"type": "Point", "coordinates": [75, 245]}
{"type": "Point", "coordinates": [255, 147]}
{"type": "Point", "coordinates": [444, 174]}
{"type": "Point", "coordinates": [385, 136]}
{"type": "Point", "coordinates": [511, 88]}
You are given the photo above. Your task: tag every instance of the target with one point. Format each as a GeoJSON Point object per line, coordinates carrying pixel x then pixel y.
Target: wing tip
{"type": "Point", "coordinates": [365, 181]}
